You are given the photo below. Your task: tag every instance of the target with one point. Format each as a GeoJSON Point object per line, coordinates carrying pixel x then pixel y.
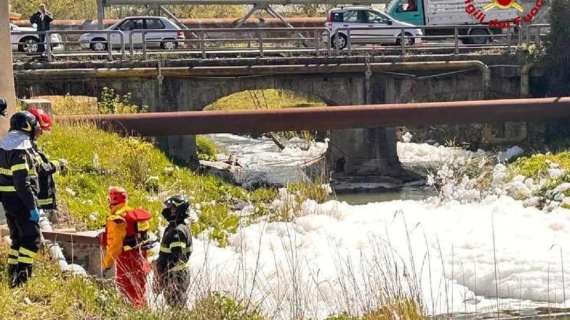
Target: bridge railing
{"type": "Point", "coordinates": [68, 44]}
{"type": "Point", "coordinates": [203, 43]}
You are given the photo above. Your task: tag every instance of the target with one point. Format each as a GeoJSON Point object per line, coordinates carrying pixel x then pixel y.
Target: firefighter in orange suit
{"type": "Point", "coordinates": [126, 242]}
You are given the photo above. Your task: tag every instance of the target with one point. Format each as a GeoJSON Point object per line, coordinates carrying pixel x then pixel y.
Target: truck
{"type": "Point", "coordinates": [480, 18]}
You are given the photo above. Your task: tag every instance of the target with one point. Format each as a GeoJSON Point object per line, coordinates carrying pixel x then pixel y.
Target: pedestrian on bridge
{"type": "Point", "coordinates": [171, 275]}
{"type": "Point", "coordinates": [42, 19]}
{"type": "Point", "coordinates": [18, 193]}
{"type": "Point", "coordinates": [126, 242]}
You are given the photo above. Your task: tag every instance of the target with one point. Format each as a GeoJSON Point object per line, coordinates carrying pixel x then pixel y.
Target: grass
{"type": "Point", "coordinates": [206, 148]}
{"type": "Point", "coordinates": [52, 295]}
{"type": "Point", "coordinates": [99, 159]}
{"type": "Point", "coordinates": [536, 166]}
{"type": "Point", "coordinates": [263, 99]}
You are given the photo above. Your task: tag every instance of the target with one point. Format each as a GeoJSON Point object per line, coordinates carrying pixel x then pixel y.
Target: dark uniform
{"type": "Point", "coordinates": [175, 250]}
{"type": "Point", "coordinates": [18, 190]}
{"type": "Point", "coordinates": [46, 170]}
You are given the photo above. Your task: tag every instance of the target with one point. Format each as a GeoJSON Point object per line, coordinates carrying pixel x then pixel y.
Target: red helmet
{"type": "Point", "coordinates": [44, 120]}
{"type": "Point", "coordinates": [117, 196]}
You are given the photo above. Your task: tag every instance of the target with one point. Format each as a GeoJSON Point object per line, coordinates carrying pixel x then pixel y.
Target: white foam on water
{"type": "Point", "coordinates": [333, 258]}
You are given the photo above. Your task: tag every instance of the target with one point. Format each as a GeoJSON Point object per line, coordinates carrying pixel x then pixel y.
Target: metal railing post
{"type": "Point", "coordinates": [317, 43]}
{"type": "Point", "coordinates": [349, 42]}
{"type": "Point", "coordinates": [47, 45]}
{"type": "Point", "coordinates": [329, 42]}
{"type": "Point", "coordinates": [201, 44]}
{"type": "Point", "coordinates": [143, 34]}
{"type": "Point", "coordinates": [122, 38]}
{"type": "Point", "coordinates": [456, 39]}
{"type": "Point", "coordinates": [403, 42]}
{"type": "Point", "coordinates": [260, 40]}
{"type": "Point", "coordinates": [131, 45]}
{"type": "Point", "coordinates": [109, 46]}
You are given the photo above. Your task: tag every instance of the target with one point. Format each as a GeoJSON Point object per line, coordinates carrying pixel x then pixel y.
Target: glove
{"type": "Point", "coordinates": [35, 215]}
{"type": "Point", "coordinates": [62, 165]}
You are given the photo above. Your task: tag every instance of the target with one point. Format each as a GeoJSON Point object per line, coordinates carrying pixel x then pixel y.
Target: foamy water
{"type": "Point", "coordinates": [336, 257]}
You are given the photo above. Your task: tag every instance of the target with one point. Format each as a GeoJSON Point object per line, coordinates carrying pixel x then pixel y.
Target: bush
{"type": "Point", "coordinates": [206, 147]}
{"type": "Point", "coordinates": [111, 102]}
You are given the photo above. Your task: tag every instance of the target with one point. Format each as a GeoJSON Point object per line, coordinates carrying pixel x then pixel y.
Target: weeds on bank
{"type": "Point", "coordinates": [98, 159]}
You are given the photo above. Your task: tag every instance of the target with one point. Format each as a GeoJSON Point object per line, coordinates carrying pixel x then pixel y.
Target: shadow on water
{"type": "Point", "coordinates": [417, 193]}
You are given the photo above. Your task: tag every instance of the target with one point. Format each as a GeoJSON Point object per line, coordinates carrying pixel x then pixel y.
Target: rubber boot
{"type": "Point", "coordinates": [24, 272]}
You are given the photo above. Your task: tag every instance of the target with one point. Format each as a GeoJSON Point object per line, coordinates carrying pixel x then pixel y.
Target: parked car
{"type": "Point", "coordinates": [171, 38]}
{"type": "Point", "coordinates": [28, 42]}
{"type": "Point", "coordinates": [364, 23]}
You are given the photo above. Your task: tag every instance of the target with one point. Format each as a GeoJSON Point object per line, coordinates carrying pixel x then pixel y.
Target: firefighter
{"type": "Point", "coordinates": [172, 276]}
{"type": "Point", "coordinates": [46, 168]}
{"type": "Point", "coordinates": [125, 239]}
{"type": "Point", "coordinates": [18, 192]}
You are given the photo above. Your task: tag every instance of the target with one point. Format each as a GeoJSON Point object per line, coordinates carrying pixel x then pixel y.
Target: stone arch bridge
{"type": "Point", "coordinates": [354, 151]}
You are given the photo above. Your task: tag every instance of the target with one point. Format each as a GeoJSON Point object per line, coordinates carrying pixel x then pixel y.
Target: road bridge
{"type": "Point", "coordinates": [175, 87]}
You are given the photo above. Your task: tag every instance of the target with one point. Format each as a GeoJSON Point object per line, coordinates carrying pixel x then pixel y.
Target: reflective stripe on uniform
{"type": "Point", "coordinates": [12, 260]}
{"type": "Point", "coordinates": [20, 166]}
{"type": "Point", "coordinates": [165, 250]}
{"type": "Point", "coordinates": [43, 202]}
{"type": "Point", "coordinates": [178, 244]}
{"type": "Point", "coordinates": [26, 252]}
{"type": "Point", "coordinates": [7, 189]}
{"type": "Point", "coordinates": [127, 248]}
{"type": "Point", "coordinates": [179, 267]}
{"type": "Point", "coordinates": [25, 260]}
{"type": "Point", "coordinates": [14, 252]}
{"type": "Point", "coordinates": [6, 172]}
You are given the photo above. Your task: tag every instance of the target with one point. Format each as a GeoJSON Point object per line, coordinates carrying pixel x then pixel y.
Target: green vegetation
{"type": "Point", "coordinates": [206, 147]}
{"type": "Point", "coordinates": [536, 166]}
{"type": "Point", "coordinates": [264, 99]}
{"type": "Point", "coordinates": [100, 159]}
{"type": "Point", "coordinates": [52, 295]}
{"type": "Point", "coordinates": [111, 102]}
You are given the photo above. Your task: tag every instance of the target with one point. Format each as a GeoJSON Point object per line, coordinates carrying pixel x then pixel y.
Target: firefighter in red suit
{"type": "Point", "coordinates": [124, 239]}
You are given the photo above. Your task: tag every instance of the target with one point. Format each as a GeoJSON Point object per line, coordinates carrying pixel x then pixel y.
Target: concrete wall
{"type": "Point", "coordinates": [353, 152]}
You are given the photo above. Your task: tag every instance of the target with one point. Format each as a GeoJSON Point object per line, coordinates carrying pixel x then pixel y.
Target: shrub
{"type": "Point", "coordinates": [206, 147]}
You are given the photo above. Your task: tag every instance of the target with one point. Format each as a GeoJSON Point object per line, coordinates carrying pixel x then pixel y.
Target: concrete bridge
{"type": "Point", "coordinates": [192, 85]}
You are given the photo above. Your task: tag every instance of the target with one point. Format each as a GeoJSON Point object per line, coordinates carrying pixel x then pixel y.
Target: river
{"type": "Point", "coordinates": [458, 255]}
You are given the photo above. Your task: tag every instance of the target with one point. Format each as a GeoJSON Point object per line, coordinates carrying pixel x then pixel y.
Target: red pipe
{"type": "Point", "coordinates": [340, 117]}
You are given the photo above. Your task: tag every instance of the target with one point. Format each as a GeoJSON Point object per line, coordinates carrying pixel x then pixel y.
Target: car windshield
{"type": "Point", "coordinates": [392, 5]}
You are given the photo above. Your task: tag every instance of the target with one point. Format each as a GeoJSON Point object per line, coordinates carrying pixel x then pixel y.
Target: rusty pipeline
{"type": "Point", "coordinates": [337, 117]}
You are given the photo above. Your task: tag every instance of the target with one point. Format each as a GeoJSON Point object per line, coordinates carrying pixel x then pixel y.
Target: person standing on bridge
{"type": "Point", "coordinates": [126, 242]}
{"type": "Point", "coordinates": [46, 168]}
{"type": "Point", "coordinates": [171, 274]}
{"type": "Point", "coordinates": [42, 19]}
{"type": "Point", "coordinates": [18, 192]}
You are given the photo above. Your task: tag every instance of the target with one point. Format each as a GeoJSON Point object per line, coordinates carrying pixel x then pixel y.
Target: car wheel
{"type": "Point", "coordinates": [169, 44]}
{"type": "Point", "coordinates": [28, 45]}
{"type": "Point", "coordinates": [98, 44]}
{"type": "Point", "coordinates": [339, 41]}
{"type": "Point", "coordinates": [479, 36]}
{"type": "Point", "coordinates": [409, 39]}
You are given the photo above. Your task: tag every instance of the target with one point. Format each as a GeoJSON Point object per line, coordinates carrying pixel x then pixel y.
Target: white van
{"type": "Point", "coordinates": [364, 23]}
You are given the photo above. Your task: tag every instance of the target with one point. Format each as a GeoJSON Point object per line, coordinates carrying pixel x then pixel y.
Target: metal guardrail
{"type": "Point", "coordinates": [259, 42]}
